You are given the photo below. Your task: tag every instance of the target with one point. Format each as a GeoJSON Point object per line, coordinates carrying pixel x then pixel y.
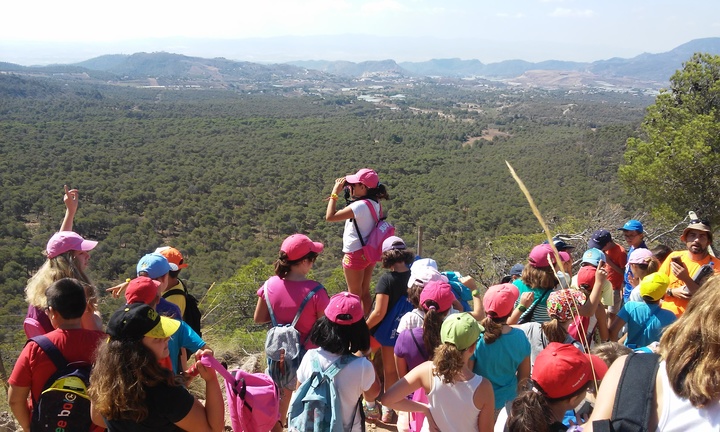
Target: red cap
{"type": "Point", "coordinates": [539, 255]}
{"type": "Point", "coordinates": [298, 245]}
{"type": "Point", "coordinates": [438, 291]}
{"type": "Point", "coordinates": [561, 369]}
{"type": "Point", "coordinates": [586, 276]}
{"type": "Point", "coordinates": [500, 299]}
{"type": "Point", "coordinates": [344, 309]}
{"type": "Point", "coordinates": [365, 176]}
{"type": "Point", "coordinates": [142, 289]}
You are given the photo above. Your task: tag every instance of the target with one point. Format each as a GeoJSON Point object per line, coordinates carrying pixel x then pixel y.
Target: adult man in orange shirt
{"type": "Point", "coordinates": [681, 266]}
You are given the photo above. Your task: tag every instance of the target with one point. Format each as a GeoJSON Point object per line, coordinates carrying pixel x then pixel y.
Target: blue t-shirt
{"type": "Point", "coordinates": [185, 337]}
{"type": "Point", "coordinates": [498, 362]}
{"type": "Point", "coordinates": [645, 322]}
{"type": "Point", "coordinates": [540, 315]}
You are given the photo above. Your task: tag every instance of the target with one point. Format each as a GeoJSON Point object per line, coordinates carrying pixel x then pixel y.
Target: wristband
{"type": "Point", "coordinates": [669, 292]}
{"type": "Point", "coordinates": [333, 196]}
{"type": "Point", "coordinates": [475, 293]}
{"type": "Point", "coordinates": [521, 308]}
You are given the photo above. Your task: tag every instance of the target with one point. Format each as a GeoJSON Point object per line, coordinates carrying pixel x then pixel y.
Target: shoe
{"type": "Point", "coordinates": [371, 413]}
{"type": "Point", "coordinates": [387, 415]}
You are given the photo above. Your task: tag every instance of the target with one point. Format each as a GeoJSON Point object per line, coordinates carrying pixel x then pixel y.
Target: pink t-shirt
{"type": "Point", "coordinates": [285, 298]}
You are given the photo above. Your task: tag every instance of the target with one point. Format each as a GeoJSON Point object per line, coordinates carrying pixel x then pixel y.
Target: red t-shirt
{"type": "Point", "coordinates": [285, 298]}
{"type": "Point", "coordinates": [618, 255]}
{"type": "Point", "coordinates": [33, 368]}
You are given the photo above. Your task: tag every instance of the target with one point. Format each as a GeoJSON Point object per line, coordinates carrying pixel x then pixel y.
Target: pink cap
{"type": "Point", "coordinates": [65, 241]}
{"type": "Point", "coordinates": [142, 289]}
{"type": "Point", "coordinates": [393, 242]}
{"type": "Point", "coordinates": [539, 255]}
{"type": "Point", "coordinates": [564, 256]}
{"type": "Point", "coordinates": [639, 256]}
{"type": "Point", "coordinates": [365, 176]}
{"type": "Point", "coordinates": [499, 300]}
{"type": "Point", "coordinates": [439, 292]}
{"type": "Point", "coordinates": [344, 309]}
{"type": "Point", "coordinates": [298, 245]}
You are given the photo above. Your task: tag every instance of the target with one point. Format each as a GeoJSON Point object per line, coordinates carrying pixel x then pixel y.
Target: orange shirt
{"type": "Point", "coordinates": [674, 304]}
{"type": "Point", "coordinates": [618, 255]}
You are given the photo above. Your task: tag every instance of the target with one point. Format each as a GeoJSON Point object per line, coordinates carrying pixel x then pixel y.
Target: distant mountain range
{"type": "Point", "coordinates": [161, 68]}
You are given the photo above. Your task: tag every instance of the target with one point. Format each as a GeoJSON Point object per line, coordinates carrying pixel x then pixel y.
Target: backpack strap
{"type": "Point", "coordinates": [51, 351]}
{"type": "Point", "coordinates": [420, 350]}
{"type": "Point", "coordinates": [375, 218]}
{"type": "Point", "coordinates": [299, 312]}
{"type": "Point", "coordinates": [634, 396]}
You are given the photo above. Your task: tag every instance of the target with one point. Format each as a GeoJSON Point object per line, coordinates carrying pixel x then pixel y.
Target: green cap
{"type": "Point", "coordinates": [461, 330]}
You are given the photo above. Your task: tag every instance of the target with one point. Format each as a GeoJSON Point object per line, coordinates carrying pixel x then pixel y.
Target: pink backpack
{"type": "Point", "coordinates": [253, 399]}
{"type": "Point", "coordinates": [372, 247]}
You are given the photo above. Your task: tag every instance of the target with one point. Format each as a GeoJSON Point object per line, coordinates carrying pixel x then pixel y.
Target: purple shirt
{"type": "Point", "coordinates": [407, 348]}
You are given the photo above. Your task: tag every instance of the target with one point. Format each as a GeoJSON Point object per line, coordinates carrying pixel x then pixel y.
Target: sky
{"type": "Point", "coordinates": [51, 31]}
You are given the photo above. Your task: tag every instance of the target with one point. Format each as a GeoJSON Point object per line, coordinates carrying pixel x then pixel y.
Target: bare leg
{"type": "Point", "coordinates": [285, 395]}
{"type": "Point", "coordinates": [358, 282]}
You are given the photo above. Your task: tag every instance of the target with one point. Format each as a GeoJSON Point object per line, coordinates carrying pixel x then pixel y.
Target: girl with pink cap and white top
{"type": "Point", "coordinates": [285, 292]}
{"type": "Point", "coordinates": [68, 257]}
{"type": "Point", "coordinates": [339, 334]}
{"type": "Point", "coordinates": [363, 193]}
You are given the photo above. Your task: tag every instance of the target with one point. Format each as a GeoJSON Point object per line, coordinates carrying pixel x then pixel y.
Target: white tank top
{"type": "Point", "coordinates": [678, 415]}
{"type": "Point", "coordinates": [452, 405]}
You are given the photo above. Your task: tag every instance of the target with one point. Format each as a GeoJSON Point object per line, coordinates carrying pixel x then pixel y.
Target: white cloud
{"type": "Point", "coordinates": [573, 13]}
{"type": "Point", "coordinates": [509, 15]}
{"type": "Point", "coordinates": [381, 6]}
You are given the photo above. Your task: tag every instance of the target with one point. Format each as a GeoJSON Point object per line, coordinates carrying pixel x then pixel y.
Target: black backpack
{"type": "Point", "coordinates": [192, 314]}
{"type": "Point", "coordinates": [64, 403]}
{"type": "Point", "coordinates": [634, 396]}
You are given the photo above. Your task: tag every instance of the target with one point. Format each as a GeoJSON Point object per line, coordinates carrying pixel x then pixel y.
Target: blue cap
{"type": "Point", "coordinates": [632, 225]}
{"type": "Point", "coordinates": [154, 264]}
{"type": "Point", "coordinates": [516, 270]}
{"type": "Point", "coordinates": [599, 239]}
{"type": "Point", "coordinates": [593, 256]}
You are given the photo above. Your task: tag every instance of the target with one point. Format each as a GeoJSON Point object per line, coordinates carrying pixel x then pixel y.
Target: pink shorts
{"type": "Point", "coordinates": [356, 261]}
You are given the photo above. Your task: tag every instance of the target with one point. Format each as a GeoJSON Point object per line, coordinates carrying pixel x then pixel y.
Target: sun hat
{"type": "Point", "coordinates": [297, 246]}
{"type": "Point", "coordinates": [393, 242]}
{"type": "Point", "coordinates": [344, 309]}
{"type": "Point", "coordinates": [365, 176]}
{"type": "Point", "coordinates": [640, 256]}
{"type": "Point", "coordinates": [539, 255]}
{"type": "Point", "coordinates": [66, 241]}
{"type": "Point", "coordinates": [174, 257]}
{"type": "Point", "coordinates": [562, 304]}
{"type": "Point", "coordinates": [586, 276]}
{"type": "Point", "coordinates": [561, 369]}
{"type": "Point", "coordinates": [423, 274]}
{"type": "Point", "coordinates": [599, 239]}
{"type": "Point", "coordinates": [461, 330]}
{"type": "Point", "coordinates": [154, 264]}
{"type": "Point", "coordinates": [134, 321]}
{"type": "Point", "coordinates": [499, 300]}
{"type": "Point", "coordinates": [632, 225]}
{"type": "Point", "coordinates": [699, 225]}
{"type": "Point", "coordinates": [142, 289]}
{"type": "Point", "coordinates": [654, 285]}
{"type": "Point", "coordinates": [593, 256]}
{"type": "Point", "coordinates": [517, 270]}
{"type": "Point", "coordinates": [439, 292]}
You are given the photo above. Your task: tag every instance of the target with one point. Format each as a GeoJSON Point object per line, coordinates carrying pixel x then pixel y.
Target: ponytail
{"type": "Point", "coordinates": [530, 412]}
{"type": "Point", "coordinates": [431, 328]}
{"type": "Point", "coordinates": [448, 362]}
{"type": "Point", "coordinates": [493, 329]}
{"type": "Point", "coordinates": [378, 193]}
{"type": "Point", "coordinates": [554, 332]}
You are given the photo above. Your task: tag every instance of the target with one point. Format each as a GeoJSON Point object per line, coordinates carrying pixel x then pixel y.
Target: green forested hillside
{"type": "Point", "coordinates": [224, 176]}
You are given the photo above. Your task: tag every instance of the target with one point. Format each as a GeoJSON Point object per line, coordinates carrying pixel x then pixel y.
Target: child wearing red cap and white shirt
{"type": "Point", "coordinates": [339, 334]}
{"type": "Point", "coordinates": [560, 379]}
{"type": "Point", "coordinates": [285, 291]}
{"type": "Point", "coordinates": [502, 354]}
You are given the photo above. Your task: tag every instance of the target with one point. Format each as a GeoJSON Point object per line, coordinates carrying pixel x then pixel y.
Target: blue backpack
{"type": "Point", "coordinates": [316, 404]}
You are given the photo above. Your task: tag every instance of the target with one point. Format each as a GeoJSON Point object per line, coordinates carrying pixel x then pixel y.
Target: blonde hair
{"type": "Point", "coordinates": [448, 362]}
{"type": "Point", "coordinates": [54, 269]}
{"type": "Point", "coordinates": [691, 349]}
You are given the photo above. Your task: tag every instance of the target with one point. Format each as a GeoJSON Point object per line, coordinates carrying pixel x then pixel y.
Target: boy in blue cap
{"type": "Point", "coordinates": [635, 238]}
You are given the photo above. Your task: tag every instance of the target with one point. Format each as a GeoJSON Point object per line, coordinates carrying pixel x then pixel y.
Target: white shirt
{"type": "Point", "coordinates": [365, 221]}
{"type": "Point", "coordinates": [350, 382]}
{"type": "Point", "coordinates": [678, 415]}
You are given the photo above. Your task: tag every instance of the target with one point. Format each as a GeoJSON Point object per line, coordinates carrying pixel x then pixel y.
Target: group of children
{"type": "Point", "coordinates": [518, 358]}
